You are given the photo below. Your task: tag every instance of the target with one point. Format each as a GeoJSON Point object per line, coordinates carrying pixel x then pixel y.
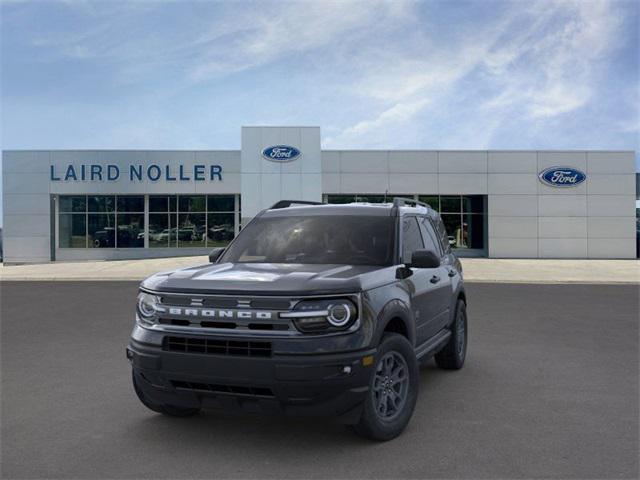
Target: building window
{"type": "Point", "coordinates": [192, 220]}
{"type": "Point", "coordinates": [464, 216]}
{"type": "Point", "coordinates": [118, 221]}
{"type": "Point", "coordinates": [101, 221]}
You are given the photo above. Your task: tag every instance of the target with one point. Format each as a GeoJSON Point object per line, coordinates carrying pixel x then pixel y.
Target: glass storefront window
{"type": "Point", "coordinates": [159, 232]}
{"type": "Point", "coordinates": [338, 199]}
{"type": "Point", "coordinates": [118, 221]}
{"type": "Point", "coordinates": [73, 203]}
{"type": "Point", "coordinates": [158, 203]}
{"type": "Point", "coordinates": [473, 230]}
{"type": "Point", "coordinates": [431, 200]}
{"type": "Point", "coordinates": [220, 203]}
{"type": "Point", "coordinates": [72, 230]}
{"type": "Point", "coordinates": [473, 204]}
{"type": "Point", "coordinates": [101, 230]}
{"type": "Point", "coordinates": [191, 230]}
{"type": "Point", "coordinates": [133, 204]}
{"type": "Point", "coordinates": [130, 230]}
{"type": "Point", "coordinates": [192, 203]}
{"type": "Point", "coordinates": [104, 204]}
{"type": "Point", "coordinates": [219, 229]}
{"type": "Point", "coordinates": [451, 204]}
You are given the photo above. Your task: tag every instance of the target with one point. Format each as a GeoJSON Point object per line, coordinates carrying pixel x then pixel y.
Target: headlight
{"type": "Point", "coordinates": [147, 307]}
{"type": "Point", "coordinates": [311, 316]}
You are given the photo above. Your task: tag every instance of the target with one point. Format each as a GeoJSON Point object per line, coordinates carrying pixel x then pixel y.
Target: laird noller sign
{"type": "Point", "coordinates": [135, 173]}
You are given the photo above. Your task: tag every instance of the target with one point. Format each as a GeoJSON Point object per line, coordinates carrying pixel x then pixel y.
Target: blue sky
{"type": "Point", "coordinates": [446, 75]}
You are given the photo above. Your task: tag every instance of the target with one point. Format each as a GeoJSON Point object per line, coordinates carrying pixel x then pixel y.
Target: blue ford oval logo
{"type": "Point", "coordinates": [562, 176]}
{"type": "Point", "coordinates": [281, 153]}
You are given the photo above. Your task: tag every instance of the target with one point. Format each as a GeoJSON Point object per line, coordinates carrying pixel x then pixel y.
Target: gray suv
{"type": "Point", "coordinates": [312, 309]}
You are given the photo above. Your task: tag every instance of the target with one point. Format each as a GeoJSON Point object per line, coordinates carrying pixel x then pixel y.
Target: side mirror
{"type": "Point", "coordinates": [424, 259]}
{"type": "Point", "coordinates": [215, 254]}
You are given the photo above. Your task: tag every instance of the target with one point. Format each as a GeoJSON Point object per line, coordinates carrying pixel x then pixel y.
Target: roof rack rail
{"type": "Point", "coordinates": [402, 202]}
{"type": "Point", "coordinates": [289, 203]}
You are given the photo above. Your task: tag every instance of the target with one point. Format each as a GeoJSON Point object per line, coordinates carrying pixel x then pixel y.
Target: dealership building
{"type": "Point", "coordinates": [69, 205]}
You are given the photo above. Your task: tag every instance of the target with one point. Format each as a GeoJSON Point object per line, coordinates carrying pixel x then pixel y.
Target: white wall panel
{"type": "Point", "coordinates": [407, 161]}
{"type": "Point", "coordinates": [364, 183]}
{"type": "Point", "coordinates": [599, 184]}
{"type": "Point", "coordinates": [612, 227]}
{"type": "Point", "coordinates": [512, 162]}
{"type": "Point", "coordinates": [364, 162]}
{"type": "Point", "coordinates": [562, 247]}
{"type": "Point", "coordinates": [513, 247]}
{"type": "Point", "coordinates": [612, 205]}
{"type": "Point", "coordinates": [512, 183]}
{"type": "Point", "coordinates": [330, 183]}
{"type": "Point", "coordinates": [562, 159]}
{"type": "Point", "coordinates": [412, 183]}
{"type": "Point", "coordinates": [462, 162]}
{"type": "Point", "coordinates": [466, 183]}
{"type": "Point", "coordinates": [612, 248]}
{"type": "Point", "coordinates": [513, 227]}
{"type": "Point", "coordinates": [611, 162]}
{"type": "Point", "coordinates": [26, 225]}
{"type": "Point", "coordinates": [330, 162]}
{"type": "Point", "coordinates": [513, 205]}
{"type": "Point", "coordinates": [562, 227]}
{"type": "Point", "coordinates": [562, 205]}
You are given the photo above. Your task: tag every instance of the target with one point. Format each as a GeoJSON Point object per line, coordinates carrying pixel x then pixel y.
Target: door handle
{"type": "Point", "coordinates": [435, 279]}
{"type": "Point", "coordinates": [452, 273]}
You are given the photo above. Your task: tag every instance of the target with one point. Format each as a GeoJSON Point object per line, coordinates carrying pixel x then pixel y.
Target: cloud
{"type": "Point", "coordinates": [538, 60]}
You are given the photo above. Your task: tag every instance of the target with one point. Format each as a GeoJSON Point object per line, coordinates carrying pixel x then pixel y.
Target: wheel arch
{"type": "Point", "coordinates": [396, 317]}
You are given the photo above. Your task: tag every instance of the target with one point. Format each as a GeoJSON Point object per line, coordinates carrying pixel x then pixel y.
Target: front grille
{"type": "Point", "coordinates": [230, 389]}
{"type": "Point", "coordinates": [232, 325]}
{"type": "Point", "coordinates": [217, 347]}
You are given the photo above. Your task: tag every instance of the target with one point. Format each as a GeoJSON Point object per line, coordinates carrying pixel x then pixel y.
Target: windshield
{"type": "Point", "coordinates": [330, 239]}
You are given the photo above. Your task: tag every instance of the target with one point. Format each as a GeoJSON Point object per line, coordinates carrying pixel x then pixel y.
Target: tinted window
{"type": "Point", "coordinates": [442, 234]}
{"type": "Point", "coordinates": [330, 239]}
{"type": "Point", "coordinates": [431, 241]}
{"type": "Point", "coordinates": [411, 238]}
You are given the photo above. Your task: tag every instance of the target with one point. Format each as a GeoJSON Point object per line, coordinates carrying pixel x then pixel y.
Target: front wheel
{"type": "Point", "coordinates": [452, 356]}
{"type": "Point", "coordinates": [393, 390]}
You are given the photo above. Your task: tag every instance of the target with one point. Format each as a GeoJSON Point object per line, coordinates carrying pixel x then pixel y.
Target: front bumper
{"type": "Point", "coordinates": [308, 384]}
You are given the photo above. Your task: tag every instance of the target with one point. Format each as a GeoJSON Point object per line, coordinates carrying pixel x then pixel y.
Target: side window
{"type": "Point", "coordinates": [442, 233]}
{"type": "Point", "coordinates": [411, 238]}
{"type": "Point", "coordinates": [431, 241]}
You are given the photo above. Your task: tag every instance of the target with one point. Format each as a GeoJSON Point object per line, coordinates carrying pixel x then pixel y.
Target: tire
{"type": "Point", "coordinates": [452, 356]}
{"type": "Point", "coordinates": [169, 410]}
{"type": "Point", "coordinates": [381, 418]}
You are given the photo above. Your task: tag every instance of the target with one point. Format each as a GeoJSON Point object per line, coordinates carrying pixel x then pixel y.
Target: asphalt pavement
{"type": "Point", "coordinates": [550, 390]}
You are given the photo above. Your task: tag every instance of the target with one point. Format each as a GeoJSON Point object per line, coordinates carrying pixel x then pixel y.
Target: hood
{"type": "Point", "coordinates": [271, 279]}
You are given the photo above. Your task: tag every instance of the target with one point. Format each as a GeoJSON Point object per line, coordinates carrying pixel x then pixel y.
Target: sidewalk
{"type": "Point", "coordinates": [475, 270]}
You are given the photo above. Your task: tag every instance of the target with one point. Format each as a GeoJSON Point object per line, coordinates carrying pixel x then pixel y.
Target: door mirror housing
{"type": "Point", "coordinates": [215, 254]}
{"type": "Point", "coordinates": [424, 259]}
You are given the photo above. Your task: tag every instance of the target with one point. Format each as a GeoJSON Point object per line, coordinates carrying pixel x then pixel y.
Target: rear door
{"type": "Point", "coordinates": [422, 284]}
{"type": "Point", "coordinates": [443, 288]}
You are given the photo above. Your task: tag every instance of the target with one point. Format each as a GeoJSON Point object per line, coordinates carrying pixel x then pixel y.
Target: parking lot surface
{"type": "Point", "coordinates": [550, 390]}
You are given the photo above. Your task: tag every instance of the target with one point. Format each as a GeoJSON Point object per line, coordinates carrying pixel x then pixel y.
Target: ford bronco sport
{"type": "Point", "coordinates": [312, 309]}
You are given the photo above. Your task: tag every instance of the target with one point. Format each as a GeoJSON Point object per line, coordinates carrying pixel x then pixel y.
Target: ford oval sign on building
{"type": "Point", "coordinates": [562, 177]}
{"type": "Point", "coordinates": [281, 153]}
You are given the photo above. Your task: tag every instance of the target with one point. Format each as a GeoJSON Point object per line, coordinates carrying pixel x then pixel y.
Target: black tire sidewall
{"type": "Point", "coordinates": [371, 425]}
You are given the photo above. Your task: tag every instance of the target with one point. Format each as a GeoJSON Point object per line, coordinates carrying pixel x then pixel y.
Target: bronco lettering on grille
{"type": "Point", "coordinates": [213, 313]}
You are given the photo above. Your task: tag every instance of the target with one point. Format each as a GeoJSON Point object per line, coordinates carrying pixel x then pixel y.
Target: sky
{"type": "Point", "coordinates": [374, 74]}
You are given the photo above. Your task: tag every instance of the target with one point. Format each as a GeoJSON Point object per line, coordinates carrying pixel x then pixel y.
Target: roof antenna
{"type": "Point", "coordinates": [385, 196]}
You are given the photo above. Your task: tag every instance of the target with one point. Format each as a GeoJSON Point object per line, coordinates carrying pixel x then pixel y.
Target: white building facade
{"type": "Point", "coordinates": [111, 204]}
